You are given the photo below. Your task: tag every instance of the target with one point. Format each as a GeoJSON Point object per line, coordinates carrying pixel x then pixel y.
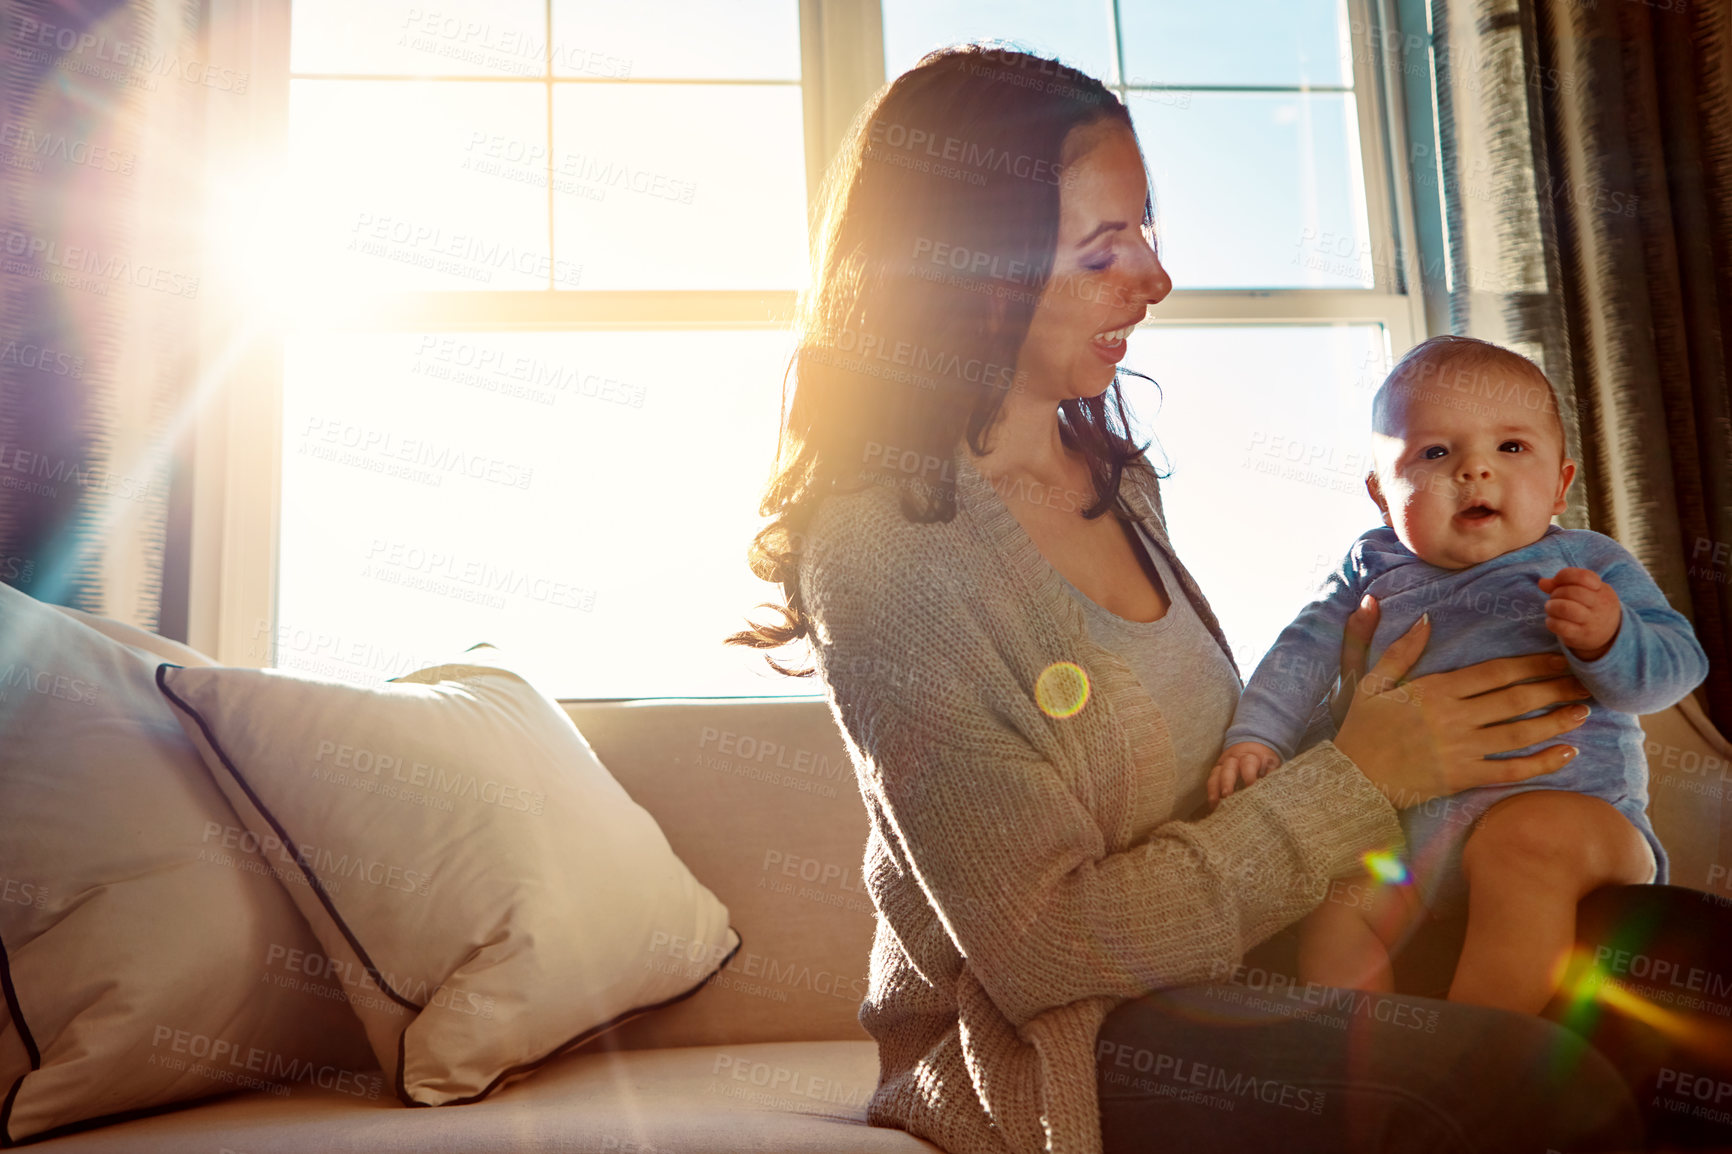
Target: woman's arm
{"type": "Point", "coordinates": [1019, 871]}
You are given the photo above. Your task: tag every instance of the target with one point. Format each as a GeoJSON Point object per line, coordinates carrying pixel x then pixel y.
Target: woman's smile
{"type": "Point", "coordinates": [1110, 344]}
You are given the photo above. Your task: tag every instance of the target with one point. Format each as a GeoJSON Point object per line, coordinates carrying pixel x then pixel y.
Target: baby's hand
{"type": "Point", "coordinates": [1583, 611]}
{"type": "Point", "coordinates": [1243, 762]}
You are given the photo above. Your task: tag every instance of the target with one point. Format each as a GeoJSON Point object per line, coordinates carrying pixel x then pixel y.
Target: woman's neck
{"type": "Point", "coordinates": [1025, 441]}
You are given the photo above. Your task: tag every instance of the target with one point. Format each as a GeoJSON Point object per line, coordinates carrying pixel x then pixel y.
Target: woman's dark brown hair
{"type": "Point", "coordinates": [938, 227]}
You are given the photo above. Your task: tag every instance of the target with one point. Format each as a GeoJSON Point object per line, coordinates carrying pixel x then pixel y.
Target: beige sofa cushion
{"type": "Point", "coordinates": [1690, 795]}
{"type": "Point", "coordinates": [790, 1098]}
{"type": "Point", "coordinates": [758, 799]}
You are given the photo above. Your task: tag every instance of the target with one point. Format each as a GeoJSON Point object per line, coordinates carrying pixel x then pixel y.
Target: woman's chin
{"type": "Point", "coordinates": [1083, 382]}
{"type": "Point", "coordinates": [1094, 383]}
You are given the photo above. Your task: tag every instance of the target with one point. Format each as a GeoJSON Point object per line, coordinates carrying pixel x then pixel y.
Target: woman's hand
{"type": "Point", "coordinates": [1427, 738]}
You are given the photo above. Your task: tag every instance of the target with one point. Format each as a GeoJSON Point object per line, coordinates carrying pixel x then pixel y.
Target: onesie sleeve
{"type": "Point", "coordinates": [1655, 660]}
{"type": "Point", "coordinates": [1298, 671]}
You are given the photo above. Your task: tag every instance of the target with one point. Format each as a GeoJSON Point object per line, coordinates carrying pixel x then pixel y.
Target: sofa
{"type": "Point", "coordinates": [758, 798]}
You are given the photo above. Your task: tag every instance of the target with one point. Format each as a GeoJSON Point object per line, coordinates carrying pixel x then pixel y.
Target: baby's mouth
{"type": "Point", "coordinates": [1477, 513]}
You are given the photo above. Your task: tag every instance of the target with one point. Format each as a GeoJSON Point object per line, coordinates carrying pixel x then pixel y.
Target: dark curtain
{"type": "Point", "coordinates": [100, 108]}
{"type": "Point", "coordinates": [1586, 150]}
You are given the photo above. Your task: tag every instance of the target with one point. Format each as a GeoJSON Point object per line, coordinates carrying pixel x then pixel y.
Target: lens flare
{"type": "Point", "coordinates": [1587, 988]}
{"type": "Point", "coordinates": [1386, 867]}
{"type": "Point", "coordinates": [1062, 689]}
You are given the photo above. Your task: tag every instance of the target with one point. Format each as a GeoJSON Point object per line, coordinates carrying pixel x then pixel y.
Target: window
{"type": "Point", "coordinates": [1267, 141]}
{"type": "Point", "coordinates": [534, 261]}
{"type": "Point", "coordinates": [542, 257]}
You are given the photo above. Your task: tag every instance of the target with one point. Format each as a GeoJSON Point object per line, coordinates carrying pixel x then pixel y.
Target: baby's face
{"type": "Point", "coordinates": [1463, 478]}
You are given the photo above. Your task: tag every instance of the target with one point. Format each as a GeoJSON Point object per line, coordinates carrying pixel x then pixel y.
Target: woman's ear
{"type": "Point", "coordinates": [1376, 491]}
{"type": "Point", "coordinates": [1566, 476]}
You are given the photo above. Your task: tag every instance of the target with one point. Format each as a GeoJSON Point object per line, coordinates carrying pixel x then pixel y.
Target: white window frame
{"type": "Point", "coordinates": [1394, 300]}
{"type": "Point", "coordinates": [237, 456]}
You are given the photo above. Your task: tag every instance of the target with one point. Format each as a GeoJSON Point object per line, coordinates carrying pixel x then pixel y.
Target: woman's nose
{"type": "Point", "coordinates": [1152, 282]}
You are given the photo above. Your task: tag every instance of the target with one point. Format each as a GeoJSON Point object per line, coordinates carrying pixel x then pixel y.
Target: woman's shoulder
{"type": "Point", "coordinates": [1140, 488]}
{"type": "Point", "coordinates": [847, 514]}
{"type": "Point", "coordinates": [863, 544]}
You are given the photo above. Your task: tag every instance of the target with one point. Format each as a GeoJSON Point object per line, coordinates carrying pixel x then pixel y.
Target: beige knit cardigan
{"type": "Point", "coordinates": [1025, 869]}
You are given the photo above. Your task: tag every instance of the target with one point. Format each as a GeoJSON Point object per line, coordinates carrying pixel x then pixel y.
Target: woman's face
{"type": "Point", "coordinates": [1105, 273]}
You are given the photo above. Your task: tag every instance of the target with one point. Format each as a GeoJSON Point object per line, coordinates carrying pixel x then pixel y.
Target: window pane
{"type": "Point", "coordinates": [676, 186]}
{"type": "Point", "coordinates": [668, 39]}
{"type": "Point", "coordinates": [1257, 190]}
{"type": "Point", "coordinates": [1080, 33]}
{"type": "Point", "coordinates": [1255, 42]}
{"type": "Point", "coordinates": [583, 499]}
{"type": "Point", "coordinates": [1268, 435]}
{"type": "Point", "coordinates": [453, 38]}
{"type": "Point", "coordinates": [399, 185]}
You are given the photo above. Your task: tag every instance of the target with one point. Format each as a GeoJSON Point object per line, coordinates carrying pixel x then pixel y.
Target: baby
{"type": "Point", "coordinates": [1469, 471]}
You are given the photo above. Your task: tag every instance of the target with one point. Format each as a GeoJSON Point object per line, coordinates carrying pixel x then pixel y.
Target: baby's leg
{"type": "Point", "coordinates": [1532, 857]}
{"type": "Point", "coordinates": [1348, 940]}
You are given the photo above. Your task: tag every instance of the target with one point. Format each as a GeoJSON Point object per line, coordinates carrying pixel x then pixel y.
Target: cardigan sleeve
{"type": "Point", "coordinates": [999, 838]}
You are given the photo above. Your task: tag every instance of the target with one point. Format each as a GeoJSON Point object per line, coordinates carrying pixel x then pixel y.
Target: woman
{"type": "Point", "coordinates": [1033, 689]}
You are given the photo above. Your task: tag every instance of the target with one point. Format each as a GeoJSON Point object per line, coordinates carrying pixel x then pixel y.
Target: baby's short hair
{"type": "Point", "coordinates": [1464, 368]}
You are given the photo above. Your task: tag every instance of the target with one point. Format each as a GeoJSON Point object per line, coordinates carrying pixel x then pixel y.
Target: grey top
{"type": "Point", "coordinates": [1182, 668]}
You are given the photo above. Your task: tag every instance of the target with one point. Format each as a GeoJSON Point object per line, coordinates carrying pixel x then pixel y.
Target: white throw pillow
{"type": "Point", "coordinates": [154, 644]}
{"type": "Point", "coordinates": [15, 1058]}
{"type": "Point", "coordinates": [140, 937]}
{"type": "Point", "coordinates": [484, 889]}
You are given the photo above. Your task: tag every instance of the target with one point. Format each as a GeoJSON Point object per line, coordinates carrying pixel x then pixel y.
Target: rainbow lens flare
{"type": "Point", "coordinates": [1062, 689]}
{"type": "Point", "coordinates": [1585, 984]}
{"type": "Point", "coordinates": [1587, 988]}
{"type": "Point", "coordinates": [1386, 867]}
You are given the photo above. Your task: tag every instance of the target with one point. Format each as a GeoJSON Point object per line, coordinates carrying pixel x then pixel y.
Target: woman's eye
{"type": "Point", "coordinates": [1511, 447]}
{"type": "Point", "coordinates": [1100, 261]}
{"type": "Point", "coordinates": [1433, 452]}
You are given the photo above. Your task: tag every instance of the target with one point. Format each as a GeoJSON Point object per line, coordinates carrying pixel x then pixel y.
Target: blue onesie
{"type": "Point", "coordinates": [1493, 609]}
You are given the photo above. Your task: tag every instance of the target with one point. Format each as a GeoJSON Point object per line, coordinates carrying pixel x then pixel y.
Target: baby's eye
{"type": "Point", "coordinates": [1433, 453]}
{"type": "Point", "coordinates": [1511, 447]}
